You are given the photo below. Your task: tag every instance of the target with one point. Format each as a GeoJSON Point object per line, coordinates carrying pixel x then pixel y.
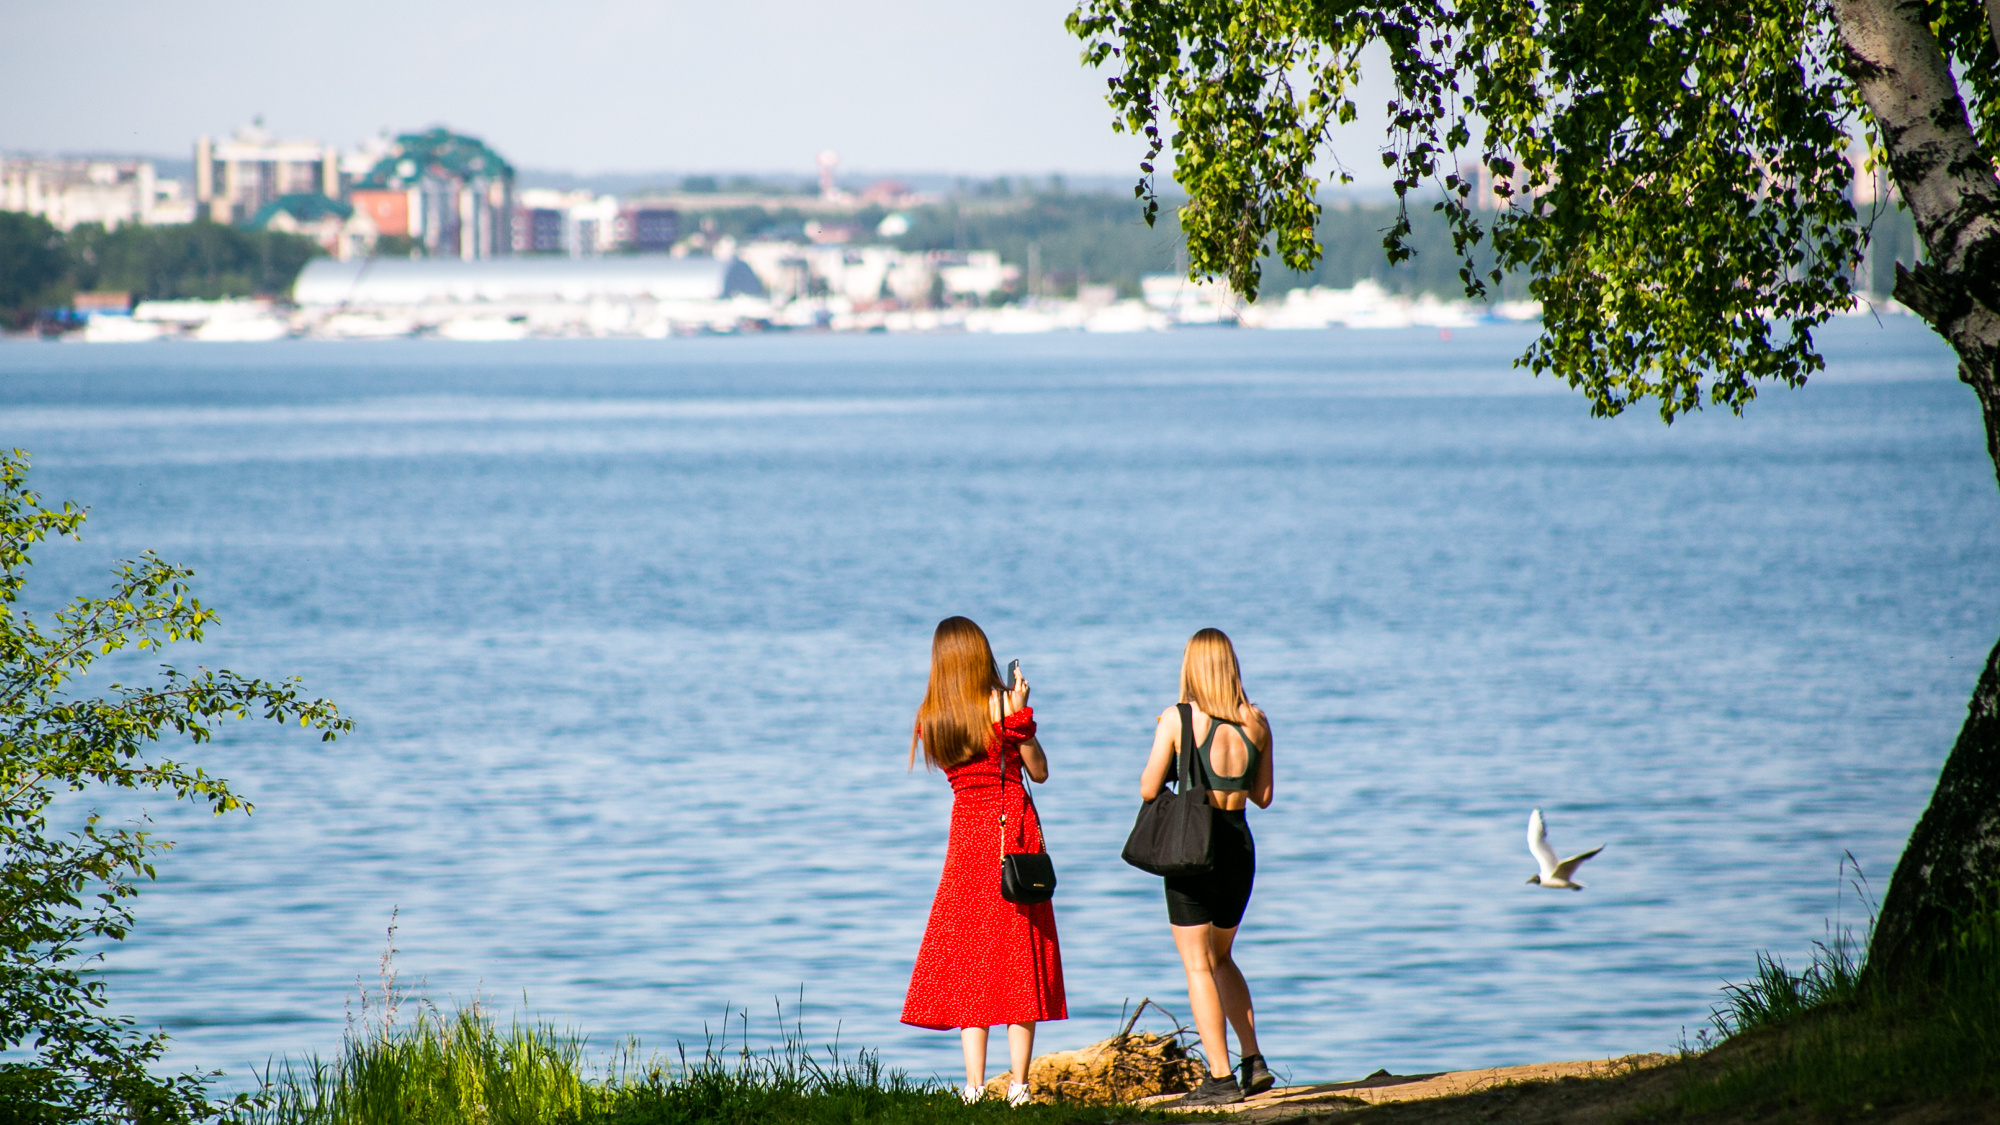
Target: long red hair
{"type": "Point", "coordinates": [955, 721]}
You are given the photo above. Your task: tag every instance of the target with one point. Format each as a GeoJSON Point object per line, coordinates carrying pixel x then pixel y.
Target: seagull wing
{"type": "Point", "coordinates": [1538, 843]}
{"type": "Point", "coordinates": [1568, 867]}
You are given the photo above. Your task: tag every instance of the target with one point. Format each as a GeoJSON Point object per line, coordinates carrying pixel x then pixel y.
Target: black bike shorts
{"type": "Point", "coordinates": [1219, 896]}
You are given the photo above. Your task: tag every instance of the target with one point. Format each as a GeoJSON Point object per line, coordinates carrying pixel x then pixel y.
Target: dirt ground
{"type": "Point", "coordinates": [1450, 1095]}
{"type": "Point", "coordinates": [1636, 1088]}
{"type": "Point", "coordinates": [1156, 1070]}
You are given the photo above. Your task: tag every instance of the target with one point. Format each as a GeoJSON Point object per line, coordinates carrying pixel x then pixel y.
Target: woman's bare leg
{"type": "Point", "coordinates": [1197, 952]}
{"type": "Point", "coordinates": [1232, 989]}
{"type": "Point", "coordinates": [973, 1039]}
{"type": "Point", "coordinates": [1020, 1048]}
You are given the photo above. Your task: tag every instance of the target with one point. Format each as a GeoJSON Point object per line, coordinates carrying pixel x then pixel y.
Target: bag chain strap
{"type": "Point", "coordinates": [1027, 794]}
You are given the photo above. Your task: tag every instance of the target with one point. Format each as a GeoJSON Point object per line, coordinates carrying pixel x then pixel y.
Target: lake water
{"type": "Point", "coordinates": [634, 632]}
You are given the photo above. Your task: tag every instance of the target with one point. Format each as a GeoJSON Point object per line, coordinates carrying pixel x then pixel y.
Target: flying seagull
{"type": "Point", "coordinates": [1554, 873]}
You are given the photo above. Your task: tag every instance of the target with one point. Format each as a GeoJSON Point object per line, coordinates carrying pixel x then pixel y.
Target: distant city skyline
{"type": "Point", "coordinates": [600, 87]}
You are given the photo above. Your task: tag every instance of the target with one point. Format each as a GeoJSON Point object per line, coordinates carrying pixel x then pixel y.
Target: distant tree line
{"type": "Point", "coordinates": [1099, 238]}
{"type": "Point", "coordinates": [42, 268]}
{"type": "Point", "coordinates": [745, 185]}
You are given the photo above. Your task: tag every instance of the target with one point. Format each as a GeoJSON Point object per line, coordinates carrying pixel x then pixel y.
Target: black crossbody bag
{"type": "Point", "coordinates": [1174, 833]}
{"type": "Point", "coordinates": [1025, 877]}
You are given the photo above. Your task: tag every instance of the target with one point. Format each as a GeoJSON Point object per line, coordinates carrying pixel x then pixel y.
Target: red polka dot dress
{"type": "Point", "coordinates": [987, 961]}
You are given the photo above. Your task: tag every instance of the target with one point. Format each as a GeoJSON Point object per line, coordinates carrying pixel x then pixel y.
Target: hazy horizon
{"type": "Point", "coordinates": [606, 88]}
{"type": "Point", "coordinates": [624, 181]}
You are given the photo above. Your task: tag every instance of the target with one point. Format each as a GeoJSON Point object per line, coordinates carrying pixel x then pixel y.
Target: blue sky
{"type": "Point", "coordinates": [588, 86]}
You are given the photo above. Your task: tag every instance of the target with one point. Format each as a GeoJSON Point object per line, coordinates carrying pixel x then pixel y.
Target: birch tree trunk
{"type": "Point", "coordinates": [1951, 867]}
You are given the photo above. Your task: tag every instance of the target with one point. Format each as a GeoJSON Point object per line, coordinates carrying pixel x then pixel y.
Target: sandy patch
{"type": "Point", "coordinates": [1382, 1088]}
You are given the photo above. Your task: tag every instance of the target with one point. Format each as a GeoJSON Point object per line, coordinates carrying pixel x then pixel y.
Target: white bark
{"type": "Point", "coordinates": [1952, 861]}
{"type": "Point", "coordinates": [1945, 178]}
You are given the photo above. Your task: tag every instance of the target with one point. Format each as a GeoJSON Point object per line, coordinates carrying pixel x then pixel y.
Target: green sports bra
{"type": "Point", "coordinates": [1239, 783]}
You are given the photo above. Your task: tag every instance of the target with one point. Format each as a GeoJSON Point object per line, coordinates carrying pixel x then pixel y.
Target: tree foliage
{"type": "Point", "coordinates": [1673, 178]}
{"type": "Point", "coordinates": [200, 260]}
{"type": "Point", "coordinates": [41, 267]}
{"type": "Point", "coordinates": [30, 260]}
{"type": "Point", "coordinates": [67, 880]}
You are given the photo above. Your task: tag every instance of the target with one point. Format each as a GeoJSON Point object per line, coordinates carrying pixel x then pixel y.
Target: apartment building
{"type": "Point", "coordinates": [69, 193]}
{"type": "Point", "coordinates": [450, 193]}
{"type": "Point", "coordinates": [236, 178]}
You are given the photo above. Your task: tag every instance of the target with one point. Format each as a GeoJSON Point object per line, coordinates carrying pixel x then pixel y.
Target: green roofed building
{"type": "Point", "coordinates": [300, 208]}
{"type": "Point", "coordinates": [336, 226]}
{"type": "Point", "coordinates": [461, 193]}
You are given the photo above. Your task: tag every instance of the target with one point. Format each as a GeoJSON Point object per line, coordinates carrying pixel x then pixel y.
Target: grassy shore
{"type": "Point", "coordinates": [1811, 1046]}
{"type": "Point", "coordinates": [1821, 1042]}
{"type": "Point", "coordinates": [1816, 1045]}
{"type": "Point", "coordinates": [465, 1069]}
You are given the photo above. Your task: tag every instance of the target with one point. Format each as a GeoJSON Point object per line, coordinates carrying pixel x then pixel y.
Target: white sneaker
{"type": "Point", "coordinates": [1017, 1093]}
{"type": "Point", "coordinates": [972, 1093]}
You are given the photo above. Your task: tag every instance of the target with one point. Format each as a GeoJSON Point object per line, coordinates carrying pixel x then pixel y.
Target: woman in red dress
{"type": "Point", "coordinates": [985, 961]}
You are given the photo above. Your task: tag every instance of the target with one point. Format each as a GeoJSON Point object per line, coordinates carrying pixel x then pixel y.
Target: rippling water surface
{"type": "Point", "coordinates": [634, 631]}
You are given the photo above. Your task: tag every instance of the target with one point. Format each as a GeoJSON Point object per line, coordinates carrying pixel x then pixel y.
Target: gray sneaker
{"type": "Point", "coordinates": [1214, 1091]}
{"type": "Point", "coordinates": [1256, 1077]}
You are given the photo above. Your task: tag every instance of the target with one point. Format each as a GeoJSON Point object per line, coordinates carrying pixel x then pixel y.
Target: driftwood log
{"type": "Point", "coordinates": [1117, 1071]}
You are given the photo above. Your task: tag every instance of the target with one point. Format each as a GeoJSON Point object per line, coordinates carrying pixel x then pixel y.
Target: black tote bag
{"type": "Point", "coordinates": [1172, 835]}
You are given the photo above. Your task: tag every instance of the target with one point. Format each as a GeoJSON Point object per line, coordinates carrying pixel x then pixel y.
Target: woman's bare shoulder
{"type": "Point", "coordinates": [1259, 724]}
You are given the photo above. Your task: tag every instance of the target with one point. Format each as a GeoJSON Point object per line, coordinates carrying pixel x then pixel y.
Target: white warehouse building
{"type": "Point", "coordinates": [508, 298]}
{"type": "Point", "coordinates": [427, 281]}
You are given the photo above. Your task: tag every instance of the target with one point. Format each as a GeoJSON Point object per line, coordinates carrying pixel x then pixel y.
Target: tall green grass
{"type": "Point", "coordinates": [1820, 1040]}
{"type": "Point", "coordinates": [1775, 996]}
{"type": "Point", "coordinates": [466, 1069]}
{"type": "Point", "coordinates": [460, 1069]}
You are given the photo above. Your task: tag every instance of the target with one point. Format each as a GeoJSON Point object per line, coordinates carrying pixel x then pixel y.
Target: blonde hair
{"type": "Point", "coordinates": [1212, 680]}
{"type": "Point", "coordinates": [955, 721]}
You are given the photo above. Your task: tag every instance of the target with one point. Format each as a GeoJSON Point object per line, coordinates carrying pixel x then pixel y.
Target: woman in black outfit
{"type": "Point", "coordinates": [1232, 743]}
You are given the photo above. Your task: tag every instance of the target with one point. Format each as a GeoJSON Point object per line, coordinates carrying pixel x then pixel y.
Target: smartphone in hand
{"type": "Point", "coordinates": [1013, 676]}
